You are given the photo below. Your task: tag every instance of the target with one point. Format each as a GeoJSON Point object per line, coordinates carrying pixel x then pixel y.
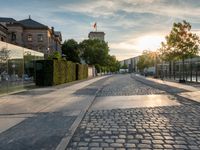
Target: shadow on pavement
{"type": "Point", "coordinates": [35, 92]}
{"type": "Point", "coordinates": [43, 131]}
{"type": "Point", "coordinates": [86, 91]}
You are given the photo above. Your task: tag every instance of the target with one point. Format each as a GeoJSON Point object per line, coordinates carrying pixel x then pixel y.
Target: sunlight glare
{"type": "Point", "coordinates": [150, 42]}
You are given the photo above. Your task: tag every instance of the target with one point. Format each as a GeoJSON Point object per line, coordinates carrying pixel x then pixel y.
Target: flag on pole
{"type": "Point", "coordinates": [95, 26]}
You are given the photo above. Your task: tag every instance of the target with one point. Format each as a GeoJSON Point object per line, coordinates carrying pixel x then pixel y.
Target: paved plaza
{"type": "Point", "coordinates": [137, 124]}
{"type": "Point", "coordinates": [104, 113]}
{"type": "Point", "coordinates": [40, 119]}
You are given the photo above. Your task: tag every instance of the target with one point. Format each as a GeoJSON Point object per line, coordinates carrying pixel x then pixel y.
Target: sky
{"type": "Point", "coordinates": [131, 26]}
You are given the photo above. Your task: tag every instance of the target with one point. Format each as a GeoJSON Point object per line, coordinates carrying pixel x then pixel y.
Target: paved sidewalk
{"type": "Point", "coordinates": [192, 92]}
{"type": "Point", "coordinates": [44, 118]}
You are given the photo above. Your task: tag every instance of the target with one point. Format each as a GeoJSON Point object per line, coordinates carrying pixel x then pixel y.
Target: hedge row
{"type": "Point", "coordinates": [81, 71]}
{"type": "Point", "coordinates": [55, 72]}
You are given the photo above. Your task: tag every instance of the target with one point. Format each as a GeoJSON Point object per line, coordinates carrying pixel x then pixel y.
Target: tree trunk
{"type": "Point", "coordinates": [170, 69]}
{"type": "Point", "coordinates": [162, 72]}
{"type": "Point", "coordinates": [191, 70]}
{"type": "Point", "coordinates": [183, 69]}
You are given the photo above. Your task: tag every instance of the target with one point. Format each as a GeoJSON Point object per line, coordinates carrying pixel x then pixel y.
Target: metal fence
{"type": "Point", "coordinates": [189, 71]}
{"type": "Point", "coordinates": [17, 69]}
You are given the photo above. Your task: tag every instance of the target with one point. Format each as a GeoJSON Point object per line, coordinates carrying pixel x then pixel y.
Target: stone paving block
{"type": "Point", "coordinates": [146, 141]}
{"type": "Point", "coordinates": [158, 146]}
{"type": "Point", "coordinates": [96, 148]}
{"type": "Point", "coordinates": [116, 145]}
{"type": "Point", "coordinates": [94, 144]}
{"type": "Point", "coordinates": [109, 148]}
{"type": "Point", "coordinates": [82, 148]}
{"type": "Point", "coordinates": [104, 144]}
{"type": "Point", "coordinates": [193, 147]}
{"type": "Point", "coordinates": [130, 145]}
{"type": "Point", "coordinates": [180, 146]}
{"type": "Point", "coordinates": [83, 144]}
{"type": "Point", "coordinates": [143, 146]}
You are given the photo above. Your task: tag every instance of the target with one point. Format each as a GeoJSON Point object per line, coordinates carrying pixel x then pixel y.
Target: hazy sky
{"type": "Point", "coordinates": [130, 25]}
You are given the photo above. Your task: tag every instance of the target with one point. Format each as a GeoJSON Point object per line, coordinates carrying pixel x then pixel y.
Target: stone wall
{"type": "Point", "coordinates": [18, 30]}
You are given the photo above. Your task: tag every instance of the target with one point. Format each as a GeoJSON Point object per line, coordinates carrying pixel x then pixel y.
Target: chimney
{"type": "Point", "coordinates": [52, 29]}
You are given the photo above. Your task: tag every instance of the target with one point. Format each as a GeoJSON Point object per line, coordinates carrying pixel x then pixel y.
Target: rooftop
{"type": "Point", "coordinates": [4, 19]}
{"type": "Point", "coordinates": [29, 23]}
{"type": "Point", "coordinates": [96, 32]}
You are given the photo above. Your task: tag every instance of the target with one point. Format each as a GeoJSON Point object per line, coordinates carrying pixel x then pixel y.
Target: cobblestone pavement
{"type": "Point", "coordinates": [125, 85]}
{"type": "Point", "coordinates": [168, 127]}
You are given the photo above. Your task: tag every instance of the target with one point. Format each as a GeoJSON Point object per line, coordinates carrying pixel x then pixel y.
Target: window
{"type": "Point", "coordinates": [29, 38]}
{"type": "Point", "coordinates": [40, 48]}
{"type": "Point", "coordinates": [40, 37]}
{"type": "Point", "coordinates": [13, 36]}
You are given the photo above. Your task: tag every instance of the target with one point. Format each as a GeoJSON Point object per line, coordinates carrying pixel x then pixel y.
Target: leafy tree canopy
{"type": "Point", "coordinates": [70, 49]}
{"type": "Point", "coordinates": [55, 55]}
{"type": "Point", "coordinates": [94, 51]}
{"type": "Point", "coordinates": [181, 43]}
{"type": "Point", "coordinates": [124, 66]}
{"type": "Point", "coordinates": [112, 63]}
{"type": "Point", "coordinates": [146, 60]}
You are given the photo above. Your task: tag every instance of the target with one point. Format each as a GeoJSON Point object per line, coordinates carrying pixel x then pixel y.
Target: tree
{"type": "Point", "coordinates": [112, 64]}
{"type": "Point", "coordinates": [180, 44]}
{"type": "Point", "coordinates": [166, 54]}
{"type": "Point", "coordinates": [70, 48]}
{"type": "Point", "coordinates": [55, 55]}
{"type": "Point", "coordinates": [94, 51]}
{"type": "Point", "coordinates": [124, 66]}
{"type": "Point", "coordinates": [146, 60]}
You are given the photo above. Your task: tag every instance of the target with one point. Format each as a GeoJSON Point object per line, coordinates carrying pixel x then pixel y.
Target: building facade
{"type": "Point", "coordinates": [3, 33]}
{"type": "Point", "coordinates": [31, 34]}
{"type": "Point", "coordinates": [96, 35]}
{"type": "Point", "coordinates": [131, 63]}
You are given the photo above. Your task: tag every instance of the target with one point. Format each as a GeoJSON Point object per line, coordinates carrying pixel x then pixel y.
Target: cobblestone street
{"type": "Point", "coordinates": [163, 127]}
{"type": "Point", "coordinates": [125, 85]}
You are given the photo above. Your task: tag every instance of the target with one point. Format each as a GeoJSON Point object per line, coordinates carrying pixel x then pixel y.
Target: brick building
{"type": "Point", "coordinates": [33, 35]}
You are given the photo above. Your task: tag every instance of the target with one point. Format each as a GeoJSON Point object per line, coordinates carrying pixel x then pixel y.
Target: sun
{"type": "Point", "coordinates": [150, 42]}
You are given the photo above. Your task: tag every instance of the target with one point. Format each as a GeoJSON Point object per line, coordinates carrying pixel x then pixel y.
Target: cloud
{"type": "Point", "coordinates": [127, 23]}
{"type": "Point", "coordinates": [101, 8]}
{"type": "Point", "coordinates": [91, 8]}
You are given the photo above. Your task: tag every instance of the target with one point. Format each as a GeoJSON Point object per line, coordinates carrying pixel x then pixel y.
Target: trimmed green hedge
{"type": "Point", "coordinates": [55, 72]}
{"type": "Point", "coordinates": [81, 71]}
